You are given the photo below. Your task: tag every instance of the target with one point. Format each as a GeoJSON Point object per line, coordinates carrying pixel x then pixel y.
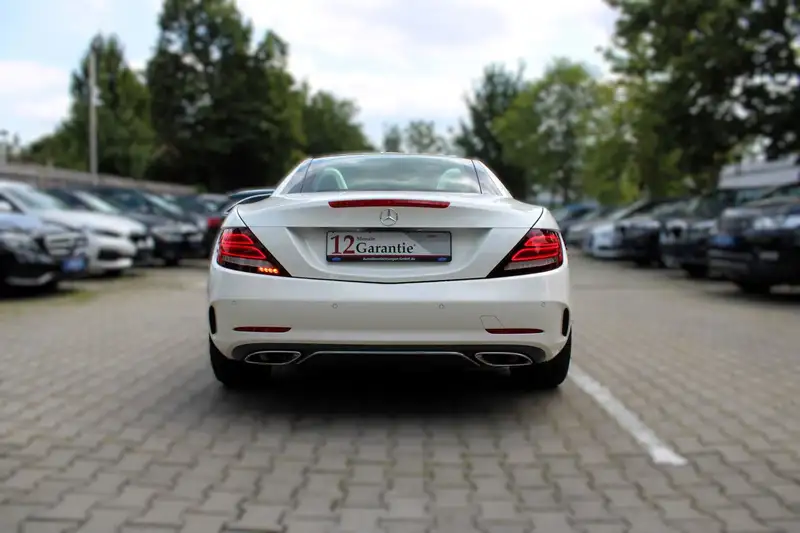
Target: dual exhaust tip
{"type": "Point", "coordinates": [488, 359]}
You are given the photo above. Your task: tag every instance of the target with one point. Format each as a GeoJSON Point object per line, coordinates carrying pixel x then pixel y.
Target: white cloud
{"type": "Point", "coordinates": [399, 59]}
{"type": "Point", "coordinates": [418, 58]}
{"type": "Point", "coordinates": [19, 78]}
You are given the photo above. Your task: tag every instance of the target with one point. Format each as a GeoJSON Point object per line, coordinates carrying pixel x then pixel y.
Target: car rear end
{"type": "Point", "coordinates": [308, 275]}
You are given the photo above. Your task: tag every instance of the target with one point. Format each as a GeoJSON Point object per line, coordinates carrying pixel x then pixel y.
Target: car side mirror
{"type": "Point", "coordinates": [6, 207]}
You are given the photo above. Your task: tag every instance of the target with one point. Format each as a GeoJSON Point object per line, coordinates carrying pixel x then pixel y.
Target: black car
{"type": "Point", "coordinates": [637, 235]}
{"type": "Point", "coordinates": [684, 239]}
{"type": "Point", "coordinates": [38, 254]}
{"type": "Point", "coordinates": [206, 212]}
{"type": "Point", "coordinates": [757, 245]}
{"type": "Point", "coordinates": [173, 238]}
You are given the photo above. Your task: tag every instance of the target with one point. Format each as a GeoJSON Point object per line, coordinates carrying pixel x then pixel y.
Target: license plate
{"type": "Point", "coordinates": [723, 241]}
{"type": "Point", "coordinates": [388, 246]}
{"type": "Point", "coordinates": [74, 264]}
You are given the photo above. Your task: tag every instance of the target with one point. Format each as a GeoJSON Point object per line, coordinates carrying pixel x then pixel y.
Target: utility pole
{"type": "Point", "coordinates": [3, 147]}
{"type": "Point", "coordinates": [93, 109]}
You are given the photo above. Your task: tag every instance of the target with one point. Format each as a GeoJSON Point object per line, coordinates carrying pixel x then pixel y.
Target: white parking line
{"type": "Point", "coordinates": [659, 451]}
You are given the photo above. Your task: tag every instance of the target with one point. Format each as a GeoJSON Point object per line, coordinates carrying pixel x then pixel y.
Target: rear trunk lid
{"type": "Point", "coordinates": [349, 236]}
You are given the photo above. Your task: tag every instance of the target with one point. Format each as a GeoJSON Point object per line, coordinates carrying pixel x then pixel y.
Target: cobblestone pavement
{"type": "Point", "coordinates": [110, 421]}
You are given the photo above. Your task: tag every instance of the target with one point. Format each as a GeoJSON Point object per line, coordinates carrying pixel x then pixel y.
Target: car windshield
{"type": "Point", "coordinates": [96, 203]}
{"type": "Point", "coordinates": [35, 200]}
{"type": "Point", "coordinates": [622, 212]}
{"type": "Point", "coordinates": [164, 204]}
{"type": "Point", "coordinates": [792, 189]}
{"type": "Point", "coordinates": [190, 203]}
{"type": "Point", "coordinates": [390, 173]}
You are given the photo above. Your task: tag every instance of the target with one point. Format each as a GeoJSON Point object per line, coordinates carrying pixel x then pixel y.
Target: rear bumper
{"type": "Point", "coordinates": [764, 257]}
{"type": "Point", "coordinates": [433, 316]}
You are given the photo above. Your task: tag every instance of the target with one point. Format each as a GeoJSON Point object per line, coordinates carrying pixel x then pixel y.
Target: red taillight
{"type": "Point", "coordinates": [427, 204]}
{"type": "Point", "coordinates": [239, 249]}
{"type": "Point", "coordinates": [539, 251]}
{"type": "Point", "coordinates": [214, 222]}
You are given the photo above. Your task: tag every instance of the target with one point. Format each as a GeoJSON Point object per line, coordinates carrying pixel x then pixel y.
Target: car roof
{"type": "Point", "coordinates": [379, 155]}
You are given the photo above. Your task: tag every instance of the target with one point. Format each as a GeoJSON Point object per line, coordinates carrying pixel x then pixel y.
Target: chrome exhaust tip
{"type": "Point", "coordinates": [503, 359]}
{"type": "Point", "coordinates": [272, 357]}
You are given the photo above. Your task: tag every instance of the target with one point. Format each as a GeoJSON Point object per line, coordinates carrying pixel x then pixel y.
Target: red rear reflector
{"type": "Point", "coordinates": [427, 204]}
{"type": "Point", "coordinates": [262, 329]}
{"type": "Point", "coordinates": [513, 331]}
{"type": "Point", "coordinates": [214, 222]}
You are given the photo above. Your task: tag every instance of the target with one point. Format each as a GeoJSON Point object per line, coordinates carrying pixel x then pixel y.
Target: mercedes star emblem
{"type": "Point", "coordinates": [389, 217]}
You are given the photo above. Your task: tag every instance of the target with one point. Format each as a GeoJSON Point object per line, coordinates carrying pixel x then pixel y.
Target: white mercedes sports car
{"type": "Point", "coordinates": [395, 256]}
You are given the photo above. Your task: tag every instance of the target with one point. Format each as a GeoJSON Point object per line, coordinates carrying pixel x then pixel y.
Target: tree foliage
{"type": "Point", "coordinates": [726, 73]}
{"type": "Point", "coordinates": [125, 137]}
{"type": "Point", "coordinates": [477, 136]}
{"type": "Point", "coordinates": [216, 106]}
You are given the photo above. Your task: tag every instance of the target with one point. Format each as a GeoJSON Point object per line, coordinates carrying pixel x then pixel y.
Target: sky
{"type": "Point", "coordinates": [400, 60]}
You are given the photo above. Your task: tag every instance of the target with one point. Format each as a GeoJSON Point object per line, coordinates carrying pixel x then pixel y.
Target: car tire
{"type": "Point", "coordinates": [751, 287]}
{"type": "Point", "coordinates": [172, 262]}
{"type": "Point", "coordinates": [113, 273]}
{"type": "Point", "coordinates": [236, 375]}
{"type": "Point", "coordinates": [696, 271]}
{"type": "Point", "coordinates": [545, 376]}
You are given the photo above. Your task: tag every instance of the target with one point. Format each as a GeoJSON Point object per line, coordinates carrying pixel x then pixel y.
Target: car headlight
{"type": "Point", "coordinates": [791, 221]}
{"type": "Point", "coordinates": [17, 240]}
{"type": "Point", "coordinates": [167, 233]}
{"type": "Point", "coordinates": [104, 233]}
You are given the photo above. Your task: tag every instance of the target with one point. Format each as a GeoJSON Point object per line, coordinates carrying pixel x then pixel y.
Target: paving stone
{"type": "Point", "coordinates": [136, 437]}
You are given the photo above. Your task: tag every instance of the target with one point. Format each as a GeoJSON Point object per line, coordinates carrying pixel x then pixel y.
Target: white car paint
{"type": "Point", "coordinates": [104, 232]}
{"type": "Point", "coordinates": [602, 241]}
{"type": "Point", "coordinates": [432, 304]}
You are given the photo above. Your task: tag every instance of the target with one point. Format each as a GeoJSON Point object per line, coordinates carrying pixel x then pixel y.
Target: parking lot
{"type": "Point", "coordinates": [681, 415]}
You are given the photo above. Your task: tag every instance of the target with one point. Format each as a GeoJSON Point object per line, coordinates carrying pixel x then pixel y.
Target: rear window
{"type": "Point", "coordinates": [389, 173]}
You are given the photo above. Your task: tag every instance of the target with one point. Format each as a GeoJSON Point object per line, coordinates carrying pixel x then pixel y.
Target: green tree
{"type": "Point", "coordinates": [393, 139]}
{"type": "Point", "coordinates": [225, 111]}
{"type": "Point", "coordinates": [420, 136]}
{"type": "Point", "coordinates": [724, 73]}
{"type": "Point", "coordinates": [545, 130]}
{"type": "Point", "coordinates": [124, 135]}
{"type": "Point", "coordinates": [476, 136]}
{"type": "Point", "coordinates": [329, 124]}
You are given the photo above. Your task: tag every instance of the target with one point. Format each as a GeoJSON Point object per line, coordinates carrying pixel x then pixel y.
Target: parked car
{"type": "Point", "coordinates": [639, 234]}
{"type": "Point", "coordinates": [206, 212]}
{"type": "Point", "coordinates": [113, 240]}
{"type": "Point", "coordinates": [574, 231]}
{"type": "Point", "coordinates": [165, 235]}
{"type": "Point", "coordinates": [602, 239]}
{"type": "Point", "coordinates": [38, 254]}
{"type": "Point", "coordinates": [416, 268]}
{"type": "Point", "coordinates": [132, 201]}
{"type": "Point", "coordinates": [684, 239]}
{"type": "Point", "coordinates": [757, 245]}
